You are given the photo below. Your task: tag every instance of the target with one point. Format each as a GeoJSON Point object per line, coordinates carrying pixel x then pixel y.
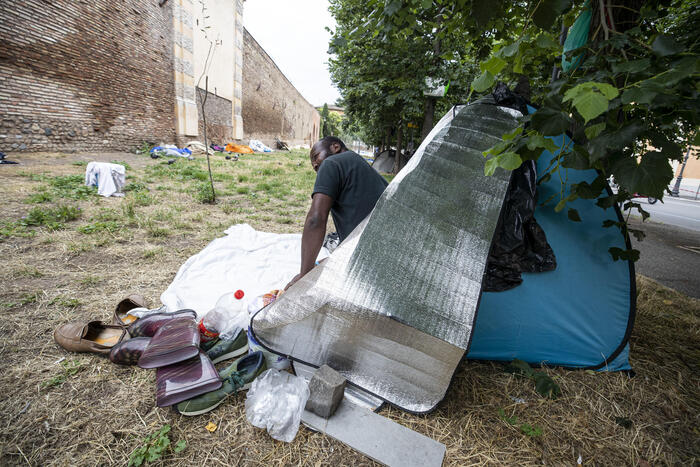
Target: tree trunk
{"type": "Point", "coordinates": [428, 116]}
{"type": "Point", "coordinates": [387, 139]}
{"type": "Point", "coordinates": [398, 160]}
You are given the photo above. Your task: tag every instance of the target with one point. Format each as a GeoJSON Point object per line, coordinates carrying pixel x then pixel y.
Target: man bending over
{"type": "Point", "coordinates": [346, 186]}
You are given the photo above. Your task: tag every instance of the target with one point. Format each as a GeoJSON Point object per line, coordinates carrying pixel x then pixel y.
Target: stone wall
{"type": "Point", "coordinates": [219, 119]}
{"type": "Point", "coordinates": [272, 106]}
{"type": "Point", "coordinates": [85, 75]}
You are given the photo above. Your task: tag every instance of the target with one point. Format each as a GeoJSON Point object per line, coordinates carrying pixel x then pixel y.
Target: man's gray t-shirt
{"type": "Point", "coordinates": [354, 186]}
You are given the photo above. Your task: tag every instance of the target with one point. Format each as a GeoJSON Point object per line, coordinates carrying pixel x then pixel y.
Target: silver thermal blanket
{"type": "Point", "coordinates": [393, 307]}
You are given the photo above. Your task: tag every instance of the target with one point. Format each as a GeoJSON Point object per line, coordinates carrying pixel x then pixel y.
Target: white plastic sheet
{"type": "Point", "coordinates": [246, 259]}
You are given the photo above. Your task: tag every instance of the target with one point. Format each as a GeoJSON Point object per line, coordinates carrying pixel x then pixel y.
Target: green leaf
{"type": "Point", "coordinates": [608, 90]}
{"type": "Point", "coordinates": [638, 96]}
{"type": "Point", "coordinates": [152, 455]}
{"type": "Point", "coordinates": [606, 202]}
{"type": "Point", "coordinates": [545, 386]}
{"type": "Point", "coordinates": [589, 191]}
{"type": "Point", "coordinates": [665, 45]}
{"type": "Point", "coordinates": [550, 122]}
{"type": "Point", "coordinates": [633, 66]}
{"type": "Point", "coordinates": [180, 446]}
{"type": "Point", "coordinates": [490, 166]}
{"type": "Point", "coordinates": [625, 255]}
{"type": "Point", "coordinates": [590, 105]}
{"type": "Point", "coordinates": [519, 367]}
{"type": "Point", "coordinates": [547, 12]}
{"type": "Point", "coordinates": [481, 11]}
{"type": "Point", "coordinates": [638, 234]}
{"type": "Point", "coordinates": [509, 160]}
{"type": "Point", "coordinates": [425, 4]}
{"type": "Point", "coordinates": [509, 50]}
{"type": "Point", "coordinates": [535, 141]}
{"type": "Point", "coordinates": [682, 69]}
{"type": "Point", "coordinates": [518, 64]}
{"type": "Point", "coordinates": [576, 159]}
{"type": "Point", "coordinates": [494, 65]}
{"type": "Point", "coordinates": [497, 149]}
{"type": "Point", "coordinates": [650, 177]}
{"type": "Point", "coordinates": [512, 134]}
{"type": "Point", "coordinates": [591, 99]}
{"type": "Point", "coordinates": [560, 205]}
{"type": "Point", "coordinates": [594, 130]}
{"type": "Point", "coordinates": [573, 215]}
{"type": "Point", "coordinates": [531, 431]}
{"type": "Point", "coordinates": [543, 41]}
{"type": "Point", "coordinates": [483, 82]}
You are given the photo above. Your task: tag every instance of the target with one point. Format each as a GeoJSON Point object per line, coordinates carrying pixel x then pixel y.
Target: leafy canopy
{"type": "Point", "coordinates": [630, 101]}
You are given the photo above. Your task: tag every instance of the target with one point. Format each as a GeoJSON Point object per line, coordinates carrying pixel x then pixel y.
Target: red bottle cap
{"type": "Point", "coordinates": [238, 294]}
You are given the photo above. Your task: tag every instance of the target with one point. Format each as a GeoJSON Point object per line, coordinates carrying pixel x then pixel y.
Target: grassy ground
{"type": "Point", "coordinates": [69, 254]}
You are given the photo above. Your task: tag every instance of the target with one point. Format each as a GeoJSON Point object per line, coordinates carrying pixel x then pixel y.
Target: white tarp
{"type": "Point", "coordinates": [109, 178]}
{"type": "Point", "coordinates": [246, 259]}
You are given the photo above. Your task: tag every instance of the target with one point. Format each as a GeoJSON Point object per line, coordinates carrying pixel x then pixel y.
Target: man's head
{"type": "Point", "coordinates": [323, 148]}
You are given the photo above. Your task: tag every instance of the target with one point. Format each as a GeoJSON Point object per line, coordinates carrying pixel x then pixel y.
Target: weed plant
{"type": "Point", "coordinates": [155, 446]}
{"type": "Point", "coordinates": [68, 368]}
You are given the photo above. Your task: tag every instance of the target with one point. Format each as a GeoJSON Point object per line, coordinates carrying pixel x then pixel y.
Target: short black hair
{"type": "Point", "coordinates": [328, 140]}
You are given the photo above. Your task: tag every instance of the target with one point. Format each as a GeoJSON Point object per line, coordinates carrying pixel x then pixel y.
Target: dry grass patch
{"type": "Point", "coordinates": [75, 409]}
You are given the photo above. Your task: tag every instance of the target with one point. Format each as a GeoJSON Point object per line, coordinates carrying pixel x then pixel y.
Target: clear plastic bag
{"type": "Point", "coordinates": [276, 401]}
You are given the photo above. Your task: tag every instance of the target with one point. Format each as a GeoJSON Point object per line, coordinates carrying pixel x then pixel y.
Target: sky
{"type": "Point", "coordinates": [293, 33]}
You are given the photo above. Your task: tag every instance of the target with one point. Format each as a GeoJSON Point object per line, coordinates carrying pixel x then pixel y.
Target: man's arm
{"type": "Point", "coordinates": [314, 232]}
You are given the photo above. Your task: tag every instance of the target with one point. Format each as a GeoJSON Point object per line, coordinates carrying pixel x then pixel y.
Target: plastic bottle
{"type": "Point", "coordinates": [273, 360]}
{"type": "Point", "coordinates": [225, 314]}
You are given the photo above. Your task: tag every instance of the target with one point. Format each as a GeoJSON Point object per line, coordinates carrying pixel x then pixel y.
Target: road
{"type": "Point", "coordinates": [673, 211]}
{"type": "Point", "coordinates": [669, 254]}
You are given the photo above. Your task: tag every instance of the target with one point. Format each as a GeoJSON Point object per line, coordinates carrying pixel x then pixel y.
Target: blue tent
{"type": "Point", "coordinates": [579, 315]}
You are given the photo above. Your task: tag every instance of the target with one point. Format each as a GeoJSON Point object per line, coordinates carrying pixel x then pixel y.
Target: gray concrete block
{"type": "Point", "coordinates": [326, 389]}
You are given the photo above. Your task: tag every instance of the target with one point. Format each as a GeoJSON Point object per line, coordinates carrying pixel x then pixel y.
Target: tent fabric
{"type": "Point", "coordinates": [384, 163]}
{"type": "Point", "coordinates": [393, 308]}
{"type": "Point", "coordinates": [578, 315]}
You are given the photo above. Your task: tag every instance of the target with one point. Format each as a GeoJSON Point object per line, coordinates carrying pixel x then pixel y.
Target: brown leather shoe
{"type": "Point", "coordinates": [121, 318]}
{"type": "Point", "coordinates": [95, 336]}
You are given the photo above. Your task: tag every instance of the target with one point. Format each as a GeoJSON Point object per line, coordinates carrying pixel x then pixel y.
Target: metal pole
{"type": "Point", "coordinates": [677, 186]}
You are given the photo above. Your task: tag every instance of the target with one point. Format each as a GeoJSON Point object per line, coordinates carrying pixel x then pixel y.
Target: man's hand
{"type": "Point", "coordinates": [293, 281]}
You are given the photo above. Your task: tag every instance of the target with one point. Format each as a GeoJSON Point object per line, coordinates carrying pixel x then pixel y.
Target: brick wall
{"type": "Point", "coordinates": [219, 119]}
{"type": "Point", "coordinates": [85, 75]}
{"type": "Point", "coordinates": [272, 106]}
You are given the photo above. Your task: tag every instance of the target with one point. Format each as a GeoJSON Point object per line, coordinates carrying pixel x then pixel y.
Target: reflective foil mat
{"type": "Point", "coordinates": [393, 307]}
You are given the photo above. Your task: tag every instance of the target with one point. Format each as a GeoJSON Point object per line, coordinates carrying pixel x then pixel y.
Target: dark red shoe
{"type": "Point", "coordinates": [148, 325]}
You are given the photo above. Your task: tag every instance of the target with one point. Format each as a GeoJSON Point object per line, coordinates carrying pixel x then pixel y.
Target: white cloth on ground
{"type": "Point", "coordinates": [258, 146]}
{"type": "Point", "coordinates": [109, 178]}
{"type": "Point", "coordinates": [246, 259]}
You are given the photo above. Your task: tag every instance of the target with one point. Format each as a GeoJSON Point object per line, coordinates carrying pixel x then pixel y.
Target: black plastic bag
{"type": "Point", "coordinates": [519, 244]}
